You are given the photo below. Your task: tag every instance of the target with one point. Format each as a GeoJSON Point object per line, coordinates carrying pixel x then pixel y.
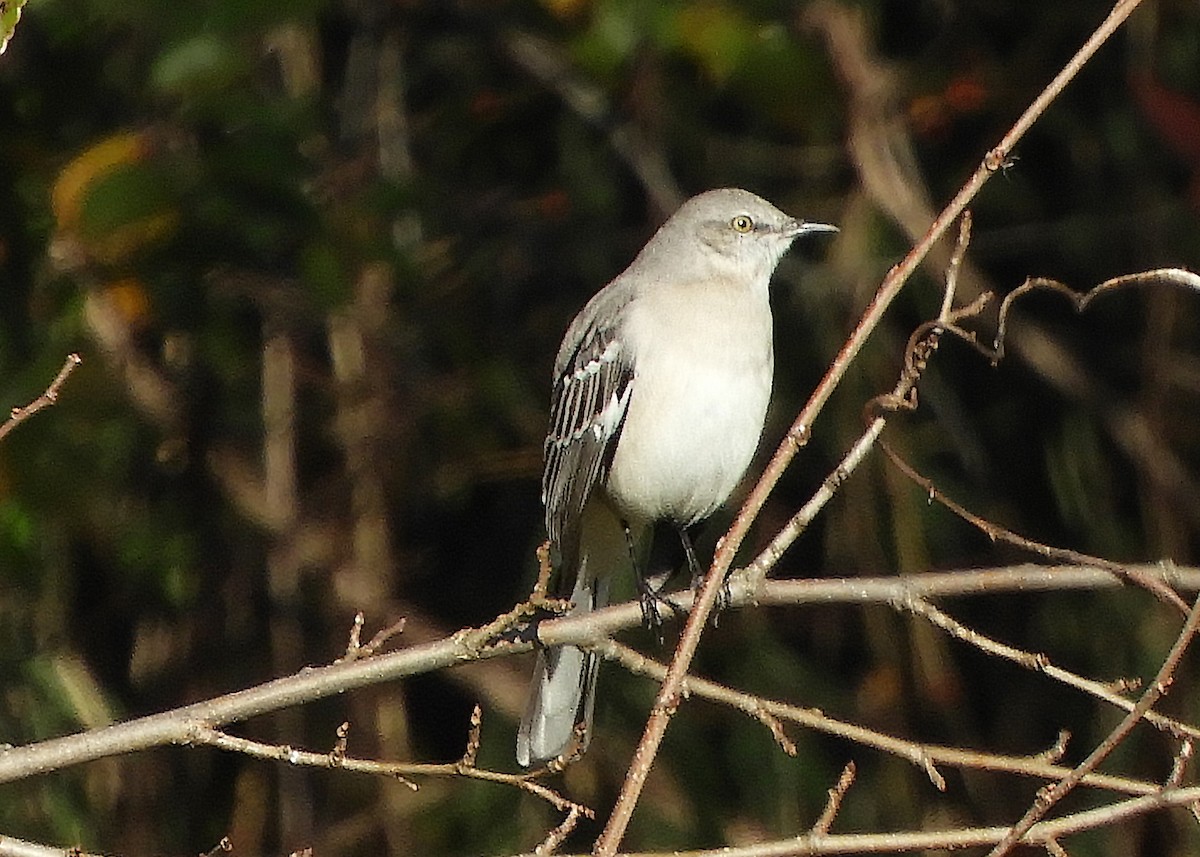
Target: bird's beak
{"type": "Point", "coordinates": [801, 227]}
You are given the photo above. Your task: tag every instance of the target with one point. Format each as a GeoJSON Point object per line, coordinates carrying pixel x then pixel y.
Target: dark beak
{"type": "Point", "coordinates": [802, 227]}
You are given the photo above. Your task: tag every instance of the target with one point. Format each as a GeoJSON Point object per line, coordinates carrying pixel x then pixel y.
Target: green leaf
{"type": "Point", "coordinates": [204, 64]}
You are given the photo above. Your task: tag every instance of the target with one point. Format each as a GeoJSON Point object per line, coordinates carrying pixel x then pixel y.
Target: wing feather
{"type": "Point", "coordinates": [587, 411]}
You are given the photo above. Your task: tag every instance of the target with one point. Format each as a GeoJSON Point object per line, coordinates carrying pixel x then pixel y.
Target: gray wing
{"type": "Point", "coordinates": [592, 388]}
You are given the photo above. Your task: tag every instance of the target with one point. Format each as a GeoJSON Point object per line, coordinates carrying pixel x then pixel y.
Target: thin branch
{"type": "Point", "coordinates": [225, 846]}
{"type": "Point", "coordinates": [915, 841]}
{"type": "Point", "coordinates": [1180, 762]}
{"type": "Point", "coordinates": [179, 725]}
{"type": "Point", "coordinates": [1052, 795]}
{"type": "Point", "coordinates": [355, 648]}
{"type": "Point", "coordinates": [836, 795]}
{"type": "Point", "coordinates": [500, 638]}
{"type": "Point", "coordinates": [1082, 300]}
{"type": "Point", "coordinates": [927, 757]}
{"type": "Point", "coordinates": [1133, 574]}
{"type": "Point", "coordinates": [45, 400]}
{"type": "Point", "coordinates": [1054, 849]}
{"type": "Point", "coordinates": [1040, 663]}
{"type": "Point", "coordinates": [956, 260]}
{"type": "Point", "coordinates": [887, 590]}
{"type": "Point", "coordinates": [403, 772]}
{"type": "Point", "coordinates": [558, 835]}
{"type": "Point", "coordinates": [798, 433]}
{"type": "Point", "coordinates": [474, 738]}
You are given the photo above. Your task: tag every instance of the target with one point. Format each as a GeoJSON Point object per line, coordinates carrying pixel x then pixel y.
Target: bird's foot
{"type": "Point", "coordinates": [724, 596]}
{"type": "Point", "coordinates": [651, 597]}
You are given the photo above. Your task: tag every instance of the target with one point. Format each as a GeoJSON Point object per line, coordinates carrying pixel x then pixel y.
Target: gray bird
{"type": "Point", "coordinates": [661, 387]}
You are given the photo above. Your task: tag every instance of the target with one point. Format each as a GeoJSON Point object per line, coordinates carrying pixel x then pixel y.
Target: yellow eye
{"type": "Point", "coordinates": [742, 223]}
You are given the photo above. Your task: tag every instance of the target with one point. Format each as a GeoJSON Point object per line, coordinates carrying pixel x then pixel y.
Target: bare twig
{"type": "Point", "coordinates": [545, 569]}
{"type": "Point", "coordinates": [341, 745]}
{"type": "Point", "coordinates": [956, 260]}
{"type": "Point", "coordinates": [836, 795]}
{"type": "Point", "coordinates": [355, 649]}
{"type": "Point", "coordinates": [45, 400]}
{"type": "Point", "coordinates": [474, 738]}
{"type": "Point", "coordinates": [1049, 796]}
{"type": "Point", "coordinates": [1133, 574]}
{"type": "Point", "coordinates": [921, 345]}
{"type": "Point", "coordinates": [225, 846]}
{"type": "Point", "coordinates": [766, 718]}
{"type": "Point", "coordinates": [951, 839]}
{"type": "Point", "coordinates": [1054, 849]}
{"type": "Point", "coordinates": [382, 636]}
{"type": "Point", "coordinates": [1180, 763]}
{"type": "Point", "coordinates": [1082, 300]}
{"type": "Point", "coordinates": [927, 757]}
{"type": "Point", "coordinates": [558, 835]}
{"type": "Point", "coordinates": [403, 772]}
{"type": "Point", "coordinates": [1041, 663]}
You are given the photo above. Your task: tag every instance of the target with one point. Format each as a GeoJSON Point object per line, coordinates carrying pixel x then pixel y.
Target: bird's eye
{"type": "Point", "coordinates": [742, 223]}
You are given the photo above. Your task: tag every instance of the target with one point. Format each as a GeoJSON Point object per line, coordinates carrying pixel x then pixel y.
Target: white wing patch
{"type": "Point", "coordinates": [609, 355]}
{"type": "Point", "coordinates": [610, 418]}
{"type": "Point", "coordinates": [587, 412]}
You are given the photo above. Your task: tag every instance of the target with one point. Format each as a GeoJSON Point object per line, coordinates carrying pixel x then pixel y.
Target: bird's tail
{"type": "Point", "coordinates": [563, 692]}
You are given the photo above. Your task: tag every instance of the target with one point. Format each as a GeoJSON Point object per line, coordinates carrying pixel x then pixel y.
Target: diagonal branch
{"type": "Point", "coordinates": [927, 757]}
{"type": "Point", "coordinates": [1050, 796]}
{"type": "Point", "coordinates": [952, 839]}
{"type": "Point", "coordinates": [45, 400]}
{"type": "Point", "coordinates": [1040, 663]}
{"type": "Point", "coordinates": [1133, 574]}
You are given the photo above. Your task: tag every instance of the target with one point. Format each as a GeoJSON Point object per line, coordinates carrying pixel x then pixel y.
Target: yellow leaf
{"type": "Point", "coordinates": [68, 193]}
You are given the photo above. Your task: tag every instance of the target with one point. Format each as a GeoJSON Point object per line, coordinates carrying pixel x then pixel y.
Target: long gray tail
{"type": "Point", "coordinates": [563, 692]}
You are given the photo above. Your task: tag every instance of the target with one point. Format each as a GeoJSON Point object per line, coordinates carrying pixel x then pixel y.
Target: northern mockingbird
{"type": "Point", "coordinates": [661, 387]}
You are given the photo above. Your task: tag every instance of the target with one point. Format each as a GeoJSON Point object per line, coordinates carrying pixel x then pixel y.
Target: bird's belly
{"type": "Point", "coordinates": [700, 425]}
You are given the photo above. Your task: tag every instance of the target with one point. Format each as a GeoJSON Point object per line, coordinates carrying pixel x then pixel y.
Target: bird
{"type": "Point", "coordinates": [660, 392]}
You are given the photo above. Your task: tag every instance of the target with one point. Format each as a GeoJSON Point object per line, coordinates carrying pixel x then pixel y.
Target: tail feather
{"type": "Point", "coordinates": [562, 696]}
{"type": "Point", "coordinates": [563, 693]}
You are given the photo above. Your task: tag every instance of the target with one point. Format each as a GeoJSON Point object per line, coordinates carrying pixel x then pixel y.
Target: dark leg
{"type": "Point", "coordinates": [693, 564]}
{"type": "Point", "coordinates": [648, 595]}
{"type": "Point", "coordinates": [699, 572]}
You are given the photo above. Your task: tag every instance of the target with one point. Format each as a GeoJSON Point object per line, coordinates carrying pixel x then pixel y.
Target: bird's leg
{"type": "Point", "coordinates": [648, 595]}
{"type": "Point", "coordinates": [697, 572]}
{"type": "Point", "coordinates": [690, 552]}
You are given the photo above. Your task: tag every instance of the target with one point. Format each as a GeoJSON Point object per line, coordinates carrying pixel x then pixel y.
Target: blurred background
{"type": "Point", "coordinates": [318, 256]}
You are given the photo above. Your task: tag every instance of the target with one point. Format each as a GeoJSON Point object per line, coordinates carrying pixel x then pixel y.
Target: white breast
{"type": "Point", "coordinates": [703, 368]}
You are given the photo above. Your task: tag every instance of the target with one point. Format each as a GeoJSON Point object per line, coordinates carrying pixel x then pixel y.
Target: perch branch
{"type": "Point", "coordinates": [174, 727]}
